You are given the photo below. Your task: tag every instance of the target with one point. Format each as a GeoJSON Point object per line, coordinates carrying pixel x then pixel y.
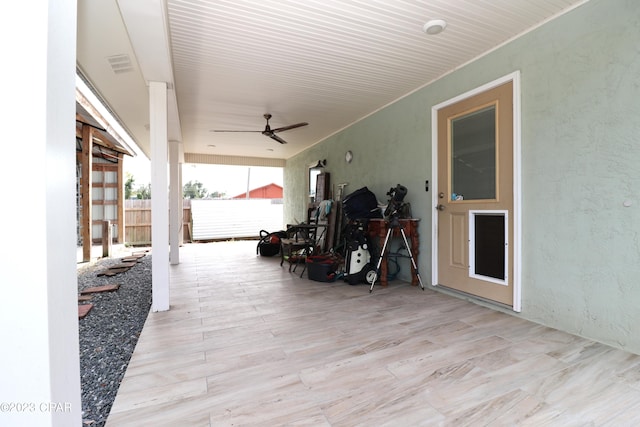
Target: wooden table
{"type": "Point", "coordinates": [378, 230]}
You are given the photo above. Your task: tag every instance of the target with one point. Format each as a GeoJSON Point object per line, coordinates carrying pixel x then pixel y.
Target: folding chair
{"type": "Point", "coordinates": [301, 241]}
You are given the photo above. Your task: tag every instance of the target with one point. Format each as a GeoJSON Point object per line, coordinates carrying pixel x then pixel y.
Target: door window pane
{"type": "Point", "coordinates": [313, 181]}
{"type": "Point", "coordinates": [473, 155]}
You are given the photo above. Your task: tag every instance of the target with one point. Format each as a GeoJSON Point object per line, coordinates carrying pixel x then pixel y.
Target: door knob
{"type": "Point", "coordinates": [440, 207]}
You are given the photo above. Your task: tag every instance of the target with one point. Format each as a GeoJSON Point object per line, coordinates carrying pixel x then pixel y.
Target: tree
{"type": "Point", "coordinates": [128, 186]}
{"type": "Point", "coordinates": [194, 190]}
{"type": "Point", "coordinates": [144, 192]}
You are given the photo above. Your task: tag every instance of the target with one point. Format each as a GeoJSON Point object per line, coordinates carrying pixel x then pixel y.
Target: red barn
{"type": "Point", "coordinates": [270, 191]}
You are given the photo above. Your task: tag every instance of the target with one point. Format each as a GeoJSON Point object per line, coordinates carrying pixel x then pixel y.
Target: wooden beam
{"type": "Point", "coordinates": [100, 138]}
{"type": "Point", "coordinates": [80, 99]}
{"type": "Point", "coordinates": [120, 198]}
{"type": "Point", "coordinates": [85, 191]}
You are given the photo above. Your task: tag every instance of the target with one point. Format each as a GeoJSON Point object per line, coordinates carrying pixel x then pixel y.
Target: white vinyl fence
{"type": "Point", "coordinates": [241, 218]}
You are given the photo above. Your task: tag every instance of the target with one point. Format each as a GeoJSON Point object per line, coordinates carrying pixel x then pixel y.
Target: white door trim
{"type": "Point", "coordinates": [517, 202]}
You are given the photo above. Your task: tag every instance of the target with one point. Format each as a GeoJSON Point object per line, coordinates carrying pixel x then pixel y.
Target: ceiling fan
{"type": "Point", "coordinates": [271, 133]}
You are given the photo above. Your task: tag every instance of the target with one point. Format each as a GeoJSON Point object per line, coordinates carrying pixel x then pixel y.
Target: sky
{"type": "Point", "coordinates": [231, 180]}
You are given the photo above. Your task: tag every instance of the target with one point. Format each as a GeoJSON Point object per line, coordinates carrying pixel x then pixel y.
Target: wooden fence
{"type": "Point", "coordinates": [137, 215]}
{"type": "Point", "coordinates": [208, 220]}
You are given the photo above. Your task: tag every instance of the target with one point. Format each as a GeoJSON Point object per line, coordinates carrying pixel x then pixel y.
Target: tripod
{"type": "Point", "coordinates": [394, 223]}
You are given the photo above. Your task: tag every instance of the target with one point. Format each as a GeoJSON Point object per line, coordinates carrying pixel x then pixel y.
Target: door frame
{"type": "Point", "coordinates": [517, 202]}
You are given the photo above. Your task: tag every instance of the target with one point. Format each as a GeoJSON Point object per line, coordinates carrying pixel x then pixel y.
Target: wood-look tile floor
{"type": "Point", "coordinates": [248, 343]}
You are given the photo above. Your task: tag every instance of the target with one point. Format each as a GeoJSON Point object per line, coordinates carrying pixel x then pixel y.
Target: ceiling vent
{"type": "Point", "coordinates": [120, 63]}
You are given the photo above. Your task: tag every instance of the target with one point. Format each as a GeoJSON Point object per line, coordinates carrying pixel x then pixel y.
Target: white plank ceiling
{"type": "Point", "coordinates": [329, 63]}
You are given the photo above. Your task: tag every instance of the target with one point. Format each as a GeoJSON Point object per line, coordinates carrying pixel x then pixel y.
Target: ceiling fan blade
{"type": "Point", "coordinates": [297, 125]}
{"type": "Point", "coordinates": [276, 137]}
{"type": "Point", "coordinates": [258, 131]}
{"type": "Point", "coordinates": [271, 133]}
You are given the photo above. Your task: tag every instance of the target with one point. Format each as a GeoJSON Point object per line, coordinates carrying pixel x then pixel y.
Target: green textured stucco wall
{"type": "Point", "coordinates": [580, 77]}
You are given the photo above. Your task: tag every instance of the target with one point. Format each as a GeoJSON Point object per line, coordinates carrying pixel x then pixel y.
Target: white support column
{"type": "Point", "coordinates": [181, 235]}
{"type": "Point", "coordinates": [159, 196]}
{"type": "Point", "coordinates": [39, 360]}
{"type": "Point", "coordinates": [181, 184]}
{"type": "Point", "coordinates": [175, 196]}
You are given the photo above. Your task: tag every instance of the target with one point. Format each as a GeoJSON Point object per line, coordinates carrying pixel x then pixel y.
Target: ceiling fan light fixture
{"type": "Point", "coordinates": [434, 26]}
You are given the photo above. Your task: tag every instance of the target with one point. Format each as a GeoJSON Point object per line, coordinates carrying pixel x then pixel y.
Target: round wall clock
{"type": "Point", "coordinates": [348, 156]}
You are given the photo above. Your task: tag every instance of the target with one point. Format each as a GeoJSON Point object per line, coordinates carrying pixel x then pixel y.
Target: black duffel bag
{"type": "Point", "coordinates": [362, 203]}
{"type": "Point", "coordinates": [269, 244]}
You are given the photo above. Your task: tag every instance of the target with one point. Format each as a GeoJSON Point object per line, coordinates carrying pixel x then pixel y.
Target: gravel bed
{"type": "Point", "coordinates": [109, 333]}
